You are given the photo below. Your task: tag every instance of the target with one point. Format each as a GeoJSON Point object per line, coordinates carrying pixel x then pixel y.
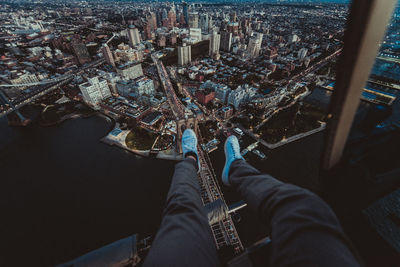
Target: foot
{"type": "Point", "coordinates": [189, 145]}
{"type": "Point", "coordinates": [232, 153]}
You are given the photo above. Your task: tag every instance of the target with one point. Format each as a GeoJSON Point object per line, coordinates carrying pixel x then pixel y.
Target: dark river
{"type": "Point", "coordinates": [64, 193]}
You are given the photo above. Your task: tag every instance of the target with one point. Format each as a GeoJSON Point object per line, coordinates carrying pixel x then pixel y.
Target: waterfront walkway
{"type": "Point", "coordinates": [284, 141]}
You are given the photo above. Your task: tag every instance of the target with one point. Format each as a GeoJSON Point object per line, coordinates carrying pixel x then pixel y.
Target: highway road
{"type": "Point", "coordinates": [177, 107]}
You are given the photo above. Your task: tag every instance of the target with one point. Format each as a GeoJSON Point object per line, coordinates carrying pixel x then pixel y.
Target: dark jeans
{"type": "Point", "coordinates": [304, 230]}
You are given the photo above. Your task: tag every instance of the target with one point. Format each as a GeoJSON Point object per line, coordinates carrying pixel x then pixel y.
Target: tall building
{"type": "Point", "coordinates": [143, 86]}
{"type": "Point", "coordinates": [185, 12]}
{"type": "Point", "coordinates": [125, 87]}
{"type": "Point", "coordinates": [112, 79]}
{"type": "Point", "coordinates": [152, 21]}
{"type": "Point", "coordinates": [271, 53]}
{"type": "Point", "coordinates": [221, 90]}
{"type": "Point", "coordinates": [108, 55]}
{"type": "Point", "coordinates": [215, 39]}
{"type": "Point", "coordinates": [125, 53]}
{"type": "Point", "coordinates": [226, 41]}
{"type": "Point", "coordinates": [227, 112]}
{"type": "Point", "coordinates": [205, 36]}
{"type": "Point", "coordinates": [164, 14]}
{"type": "Point", "coordinates": [147, 30]}
{"type": "Point", "coordinates": [255, 45]}
{"type": "Point", "coordinates": [233, 16]}
{"type": "Point", "coordinates": [233, 27]}
{"type": "Point", "coordinates": [161, 41]}
{"type": "Point", "coordinates": [243, 94]}
{"type": "Point", "coordinates": [81, 53]}
{"type": "Point", "coordinates": [95, 90]}
{"type": "Point", "coordinates": [171, 18]}
{"type": "Point", "coordinates": [205, 95]}
{"type": "Point", "coordinates": [193, 20]}
{"type": "Point", "coordinates": [172, 38]}
{"type": "Point", "coordinates": [195, 33]}
{"type": "Point", "coordinates": [130, 70]}
{"type": "Point", "coordinates": [133, 35]}
{"type": "Point", "coordinates": [204, 22]}
{"type": "Point", "coordinates": [293, 38]}
{"type": "Point", "coordinates": [182, 20]}
{"type": "Point", "coordinates": [210, 23]}
{"type": "Point", "coordinates": [302, 53]}
{"type": "Point", "coordinates": [159, 17]}
{"type": "Point", "coordinates": [184, 55]}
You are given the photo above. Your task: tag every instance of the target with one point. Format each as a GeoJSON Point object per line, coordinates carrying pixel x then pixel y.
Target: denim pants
{"type": "Point", "coordinates": [303, 228]}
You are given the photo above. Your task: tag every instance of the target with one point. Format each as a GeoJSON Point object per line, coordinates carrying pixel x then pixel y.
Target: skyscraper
{"type": "Point", "coordinates": [171, 18]}
{"type": "Point", "coordinates": [153, 21]}
{"type": "Point", "coordinates": [233, 27]}
{"type": "Point", "coordinates": [214, 43]}
{"type": "Point", "coordinates": [210, 23]}
{"type": "Point", "coordinates": [133, 34]}
{"type": "Point", "coordinates": [108, 55]}
{"type": "Point", "coordinates": [184, 55]}
{"type": "Point", "coordinates": [302, 53]}
{"type": "Point", "coordinates": [164, 14]}
{"type": "Point", "coordinates": [193, 20]}
{"type": "Point", "coordinates": [255, 45]}
{"type": "Point", "coordinates": [226, 41]}
{"type": "Point", "coordinates": [161, 41]}
{"type": "Point", "coordinates": [185, 12]}
{"type": "Point", "coordinates": [172, 38]}
{"type": "Point", "coordinates": [233, 16]}
{"type": "Point", "coordinates": [204, 23]}
{"type": "Point", "coordinates": [195, 33]}
{"type": "Point", "coordinates": [147, 30]}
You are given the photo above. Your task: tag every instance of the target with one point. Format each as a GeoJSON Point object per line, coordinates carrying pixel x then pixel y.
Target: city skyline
{"type": "Point", "coordinates": [95, 96]}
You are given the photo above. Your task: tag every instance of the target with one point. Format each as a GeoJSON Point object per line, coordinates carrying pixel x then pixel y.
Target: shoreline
{"type": "Point", "coordinates": [285, 141]}
{"type": "Point", "coordinates": [65, 118]}
{"type": "Point", "coordinates": [295, 100]}
{"type": "Point", "coordinates": [119, 141]}
{"type": "Point", "coordinates": [109, 140]}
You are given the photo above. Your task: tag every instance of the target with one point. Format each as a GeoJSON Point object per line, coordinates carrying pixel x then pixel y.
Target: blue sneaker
{"type": "Point", "coordinates": [189, 144]}
{"type": "Point", "coordinates": [232, 153]}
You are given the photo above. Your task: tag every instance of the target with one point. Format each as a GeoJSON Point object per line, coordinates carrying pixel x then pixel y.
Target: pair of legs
{"type": "Point", "coordinates": [304, 230]}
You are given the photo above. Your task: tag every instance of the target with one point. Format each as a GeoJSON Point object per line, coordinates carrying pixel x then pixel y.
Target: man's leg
{"type": "Point", "coordinates": [304, 230]}
{"type": "Point", "coordinates": [184, 237]}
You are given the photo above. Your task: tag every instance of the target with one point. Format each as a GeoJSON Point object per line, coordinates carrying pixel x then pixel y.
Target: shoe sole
{"type": "Point", "coordinates": [224, 170]}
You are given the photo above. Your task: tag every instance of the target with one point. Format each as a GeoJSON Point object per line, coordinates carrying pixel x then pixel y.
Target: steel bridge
{"type": "Point", "coordinates": [224, 231]}
{"type": "Point", "coordinates": [8, 106]}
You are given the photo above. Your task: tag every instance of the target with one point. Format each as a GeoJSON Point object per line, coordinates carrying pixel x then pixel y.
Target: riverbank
{"type": "Point", "coordinates": [286, 140]}
{"type": "Point", "coordinates": [64, 118]}
{"type": "Point", "coordinates": [275, 111]}
{"type": "Point", "coordinates": [55, 114]}
{"type": "Point", "coordinates": [294, 137]}
{"type": "Point", "coordinates": [117, 137]}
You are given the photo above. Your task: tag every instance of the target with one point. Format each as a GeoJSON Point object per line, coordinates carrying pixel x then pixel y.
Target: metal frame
{"type": "Point", "coordinates": [366, 26]}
